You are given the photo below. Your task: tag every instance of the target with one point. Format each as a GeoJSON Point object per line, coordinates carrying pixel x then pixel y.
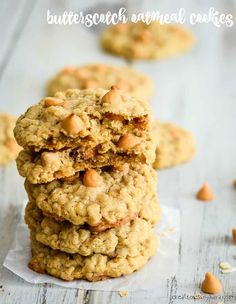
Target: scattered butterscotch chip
{"type": "Point", "coordinates": [211, 284]}
{"type": "Point", "coordinates": [92, 178]}
{"type": "Point", "coordinates": [51, 101]}
{"type": "Point", "coordinates": [72, 125]}
{"type": "Point", "coordinates": [234, 183]}
{"type": "Point", "coordinates": [124, 167]}
{"type": "Point", "coordinates": [127, 141]}
{"type": "Point", "coordinates": [234, 235]}
{"type": "Point", "coordinates": [50, 159]}
{"type": "Point", "coordinates": [123, 293]}
{"type": "Point", "coordinates": [111, 96]}
{"type": "Point", "coordinates": [205, 193]}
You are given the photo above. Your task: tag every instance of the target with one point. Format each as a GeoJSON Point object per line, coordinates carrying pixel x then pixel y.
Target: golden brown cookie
{"type": "Point", "coordinates": [69, 238]}
{"type": "Point", "coordinates": [174, 145]}
{"type": "Point", "coordinates": [95, 267]}
{"type": "Point", "coordinates": [142, 41]}
{"type": "Point", "coordinates": [102, 76]}
{"type": "Point", "coordinates": [119, 198]}
{"type": "Point", "coordinates": [9, 149]}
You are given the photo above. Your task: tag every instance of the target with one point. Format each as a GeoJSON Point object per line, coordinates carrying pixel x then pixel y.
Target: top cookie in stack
{"type": "Point", "coordinates": [79, 129]}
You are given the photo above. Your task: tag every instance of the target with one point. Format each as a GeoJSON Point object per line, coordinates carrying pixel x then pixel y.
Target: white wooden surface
{"type": "Point", "coordinates": [196, 90]}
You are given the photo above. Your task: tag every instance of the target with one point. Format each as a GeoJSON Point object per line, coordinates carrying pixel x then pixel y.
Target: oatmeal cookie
{"type": "Point", "coordinates": [95, 267]}
{"type": "Point", "coordinates": [142, 41]}
{"type": "Point", "coordinates": [120, 197]}
{"type": "Point", "coordinates": [72, 239]}
{"type": "Point", "coordinates": [84, 119]}
{"type": "Point", "coordinates": [174, 145]}
{"type": "Point", "coordinates": [9, 149]}
{"type": "Point", "coordinates": [102, 76]}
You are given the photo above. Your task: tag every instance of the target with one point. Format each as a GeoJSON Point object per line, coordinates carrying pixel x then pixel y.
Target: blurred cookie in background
{"type": "Point", "coordinates": [174, 145]}
{"type": "Point", "coordinates": [142, 41]}
{"type": "Point", "coordinates": [102, 76]}
{"type": "Point", "coordinates": [9, 149]}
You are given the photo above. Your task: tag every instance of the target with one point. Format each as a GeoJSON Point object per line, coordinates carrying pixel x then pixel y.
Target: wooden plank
{"type": "Point", "coordinates": [14, 15]}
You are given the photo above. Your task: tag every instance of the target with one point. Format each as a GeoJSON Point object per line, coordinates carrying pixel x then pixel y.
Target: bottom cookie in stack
{"type": "Point", "coordinates": [70, 252]}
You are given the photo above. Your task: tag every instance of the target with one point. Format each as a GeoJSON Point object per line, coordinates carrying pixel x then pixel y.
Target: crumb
{"type": "Point", "coordinates": [167, 231]}
{"type": "Point", "coordinates": [198, 296]}
{"type": "Point", "coordinates": [123, 293]}
{"type": "Point", "coordinates": [1, 286]}
{"type": "Point", "coordinates": [225, 265]}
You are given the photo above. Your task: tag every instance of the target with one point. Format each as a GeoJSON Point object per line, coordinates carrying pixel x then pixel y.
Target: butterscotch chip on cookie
{"type": "Point", "coordinates": [69, 238]}
{"type": "Point", "coordinates": [9, 149]}
{"type": "Point", "coordinates": [174, 145]}
{"type": "Point", "coordinates": [143, 41]}
{"type": "Point", "coordinates": [95, 267]}
{"type": "Point", "coordinates": [102, 76]}
{"type": "Point", "coordinates": [118, 199]}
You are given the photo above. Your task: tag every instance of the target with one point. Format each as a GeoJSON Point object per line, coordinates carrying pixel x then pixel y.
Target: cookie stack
{"type": "Point", "coordinates": [92, 190]}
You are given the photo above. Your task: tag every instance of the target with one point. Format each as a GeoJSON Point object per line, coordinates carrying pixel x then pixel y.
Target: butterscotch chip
{"type": "Point", "coordinates": [125, 168]}
{"type": "Point", "coordinates": [50, 101]}
{"type": "Point", "coordinates": [103, 76]}
{"type": "Point", "coordinates": [211, 284]}
{"type": "Point", "coordinates": [92, 268]}
{"type": "Point", "coordinates": [72, 125]}
{"type": "Point", "coordinates": [234, 235]}
{"type": "Point", "coordinates": [174, 145]}
{"type": "Point", "coordinates": [92, 178]}
{"type": "Point", "coordinates": [128, 141]}
{"type": "Point", "coordinates": [9, 149]}
{"type": "Point", "coordinates": [205, 193]}
{"type": "Point", "coordinates": [119, 197]}
{"type": "Point", "coordinates": [111, 96]}
{"type": "Point", "coordinates": [146, 41]}
{"type": "Point", "coordinates": [50, 159]}
{"type": "Point", "coordinates": [234, 183]}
